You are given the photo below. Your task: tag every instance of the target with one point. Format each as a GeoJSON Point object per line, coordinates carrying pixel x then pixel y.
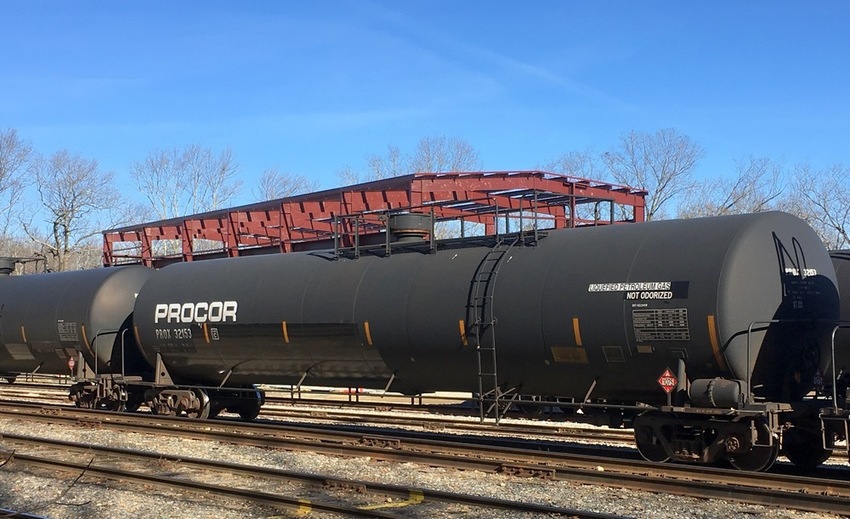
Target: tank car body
{"type": "Point", "coordinates": [609, 307]}
{"type": "Point", "coordinates": [739, 308]}
{"type": "Point", "coordinates": [55, 322]}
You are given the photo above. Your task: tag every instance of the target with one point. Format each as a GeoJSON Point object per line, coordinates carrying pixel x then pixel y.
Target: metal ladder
{"type": "Point", "coordinates": [483, 322]}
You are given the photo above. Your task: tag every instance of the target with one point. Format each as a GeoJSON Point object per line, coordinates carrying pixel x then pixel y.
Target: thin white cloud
{"type": "Point", "coordinates": [445, 45]}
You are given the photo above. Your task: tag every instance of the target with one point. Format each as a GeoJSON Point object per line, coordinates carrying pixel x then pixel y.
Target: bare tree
{"type": "Point", "coordinates": [433, 155]}
{"type": "Point", "coordinates": [822, 198]}
{"type": "Point", "coordinates": [756, 187]}
{"type": "Point", "coordinates": [580, 164]}
{"type": "Point", "coordinates": [585, 164]}
{"type": "Point", "coordinates": [15, 159]}
{"type": "Point", "coordinates": [348, 176]}
{"type": "Point", "coordinates": [215, 177]}
{"type": "Point", "coordinates": [274, 184]}
{"type": "Point", "coordinates": [74, 195]}
{"type": "Point", "coordinates": [660, 162]}
{"type": "Point", "coordinates": [393, 164]}
{"type": "Point", "coordinates": [442, 154]}
{"type": "Point", "coordinates": [179, 182]}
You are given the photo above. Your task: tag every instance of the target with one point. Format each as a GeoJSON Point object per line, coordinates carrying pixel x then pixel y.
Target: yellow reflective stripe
{"type": "Point", "coordinates": [285, 329]}
{"type": "Point", "coordinates": [23, 334]}
{"type": "Point", "coordinates": [206, 333]}
{"type": "Point", "coordinates": [461, 324]}
{"type": "Point", "coordinates": [368, 333]}
{"type": "Point", "coordinates": [715, 343]}
{"type": "Point", "coordinates": [86, 340]}
{"type": "Point", "coordinates": [577, 331]}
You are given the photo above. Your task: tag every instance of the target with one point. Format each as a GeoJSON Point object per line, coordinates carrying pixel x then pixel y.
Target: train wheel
{"type": "Point", "coordinates": [133, 403]}
{"type": "Point", "coordinates": [82, 396]}
{"type": "Point", "coordinates": [804, 448]}
{"type": "Point", "coordinates": [249, 412]}
{"type": "Point", "coordinates": [162, 406]}
{"type": "Point", "coordinates": [646, 441]}
{"type": "Point", "coordinates": [760, 456]}
{"type": "Point", "coordinates": [115, 401]}
{"type": "Point", "coordinates": [203, 410]}
{"type": "Point", "coordinates": [249, 406]}
{"type": "Point", "coordinates": [215, 409]}
{"type": "Point", "coordinates": [113, 405]}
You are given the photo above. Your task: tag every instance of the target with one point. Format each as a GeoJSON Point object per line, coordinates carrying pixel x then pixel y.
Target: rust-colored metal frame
{"type": "Point", "coordinates": [311, 221]}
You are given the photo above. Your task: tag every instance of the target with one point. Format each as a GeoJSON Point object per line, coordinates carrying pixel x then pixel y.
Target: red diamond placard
{"type": "Point", "coordinates": [668, 381]}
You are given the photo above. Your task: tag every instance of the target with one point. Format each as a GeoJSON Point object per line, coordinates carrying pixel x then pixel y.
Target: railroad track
{"type": "Point", "coordinates": [366, 497]}
{"type": "Point", "coordinates": [440, 417]}
{"type": "Point", "coordinates": [373, 411]}
{"type": "Point", "coordinates": [554, 431]}
{"type": "Point", "coordinates": [819, 494]}
{"type": "Point", "coordinates": [457, 405]}
{"type": "Point", "coordinates": [332, 401]}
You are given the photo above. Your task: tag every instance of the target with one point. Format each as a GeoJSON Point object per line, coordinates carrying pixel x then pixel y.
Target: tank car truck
{"type": "Point", "coordinates": [732, 314]}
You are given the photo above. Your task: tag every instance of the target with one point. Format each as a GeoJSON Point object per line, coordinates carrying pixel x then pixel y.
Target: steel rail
{"type": "Point", "coordinates": [799, 492]}
{"type": "Point", "coordinates": [296, 504]}
{"type": "Point", "coordinates": [408, 493]}
{"type": "Point", "coordinates": [441, 405]}
{"type": "Point", "coordinates": [17, 514]}
{"type": "Point", "coordinates": [552, 430]}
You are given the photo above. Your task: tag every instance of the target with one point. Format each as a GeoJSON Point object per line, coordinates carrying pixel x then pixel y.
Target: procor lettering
{"type": "Point", "coordinates": [200, 312]}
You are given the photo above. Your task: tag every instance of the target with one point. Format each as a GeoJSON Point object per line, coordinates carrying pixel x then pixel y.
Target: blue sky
{"type": "Point", "coordinates": [311, 87]}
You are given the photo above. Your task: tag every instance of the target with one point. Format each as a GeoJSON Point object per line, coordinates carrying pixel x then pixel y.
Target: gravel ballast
{"type": "Point", "coordinates": [39, 492]}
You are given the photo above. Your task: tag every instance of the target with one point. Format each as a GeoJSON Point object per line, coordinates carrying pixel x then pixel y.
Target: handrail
{"type": "Point", "coordinates": [780, 321]}
{"type": "Point", "coordinates": [100, 332]}
{"type": "Point", "coordinates": [832, 363]}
